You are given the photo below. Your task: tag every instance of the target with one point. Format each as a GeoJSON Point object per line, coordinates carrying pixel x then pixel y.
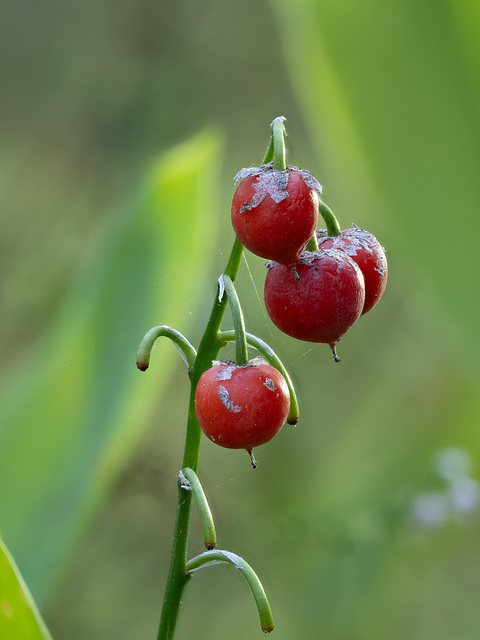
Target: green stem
{"type": "Point", "coordinates": [218, 556]}
{"type": "Point", "coordinates": [271, 357]}
{"type": "Point", "coordinates": [312, 243]}
{"type": "Point", "coordinates": [278, 136]}
{"type": "Point", "coordinates": [268, 157]}
{"type": "Point", "coordinates": [241, 351]}
{"type": "Point", "coordinates": [331, 222]}
{"type": "Point", "coordinates": [186, 350]}
{"type": "Point", "coordinates": [188, 480]}
{"type": "Point", "coordinates": [207, 352]}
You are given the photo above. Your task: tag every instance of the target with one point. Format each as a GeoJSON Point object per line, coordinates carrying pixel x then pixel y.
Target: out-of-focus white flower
{"type": "Point", "coordinates": [452, 463]}
{"type": "Point", "coordinates": [430, 509]}
{"type": "Point", "coordinates": [464, 494]}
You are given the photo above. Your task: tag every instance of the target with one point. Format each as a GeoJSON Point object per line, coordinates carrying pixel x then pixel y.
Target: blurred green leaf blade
{"type": "Point", "coordinates": [19, 616]}
{"type": "Point", "coordinates": [392, 108]}
{"type": "Point", "coordinates": [79, 405]}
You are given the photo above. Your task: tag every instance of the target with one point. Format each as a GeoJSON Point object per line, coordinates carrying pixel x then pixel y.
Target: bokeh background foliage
{"type": "Point", "coordinates": [19, 616]}
{"type": "Point", "coordinates": [362, 521]}
{"type": "Point", "coordinates": [75, 409]}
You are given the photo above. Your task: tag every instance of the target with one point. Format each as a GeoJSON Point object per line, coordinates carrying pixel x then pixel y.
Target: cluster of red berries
{"type": "Point", "coordinates": [315, 296]}
{"type": "Point", "coordinates": [309, 295]}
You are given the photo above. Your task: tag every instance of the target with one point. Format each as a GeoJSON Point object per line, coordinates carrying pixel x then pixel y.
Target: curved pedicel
{"type": "Point", "coordinates": [188, 480]}
{"type": "Point", "coordinates": [220, 556]}
{"type": "Point", "coordinates": [331, 222]}
{"type": "Point", "coordinates": [278, 137]}
{"type": "Point", "coordinates": [179, 570]}
{"type": "Point", "coordinates": [241, 351]}
{"type": "Point", "coordinates": [271, 357]}
{"type": "Point", "coordinates": [185, 349]}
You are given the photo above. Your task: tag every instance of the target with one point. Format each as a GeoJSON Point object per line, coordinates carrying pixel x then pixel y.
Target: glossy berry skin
{"type": "Point", "coordinates": [272, 222]}
{"type": "Point", "coordinates": [241, 407]}
{"type": "Point", "coordinates": [323, 303]}
{"type": "Point", "coordinates": [368, 253]}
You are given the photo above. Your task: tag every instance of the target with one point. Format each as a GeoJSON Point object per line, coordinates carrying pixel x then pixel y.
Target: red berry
{"type": "Point", "coordinates": [367, 252]}
{"type": "Point", "coordinates": [275, 213]}
{"type": "Point", "coordinates": [322, 303]}
{"type": "Point", "coordinates": [241, 407]}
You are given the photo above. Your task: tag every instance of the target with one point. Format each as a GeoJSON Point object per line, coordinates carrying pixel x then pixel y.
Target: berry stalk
{"type": "Point", "coordinates": [269, 152]}
{"type": "Point", "coordinates": [241, 350]}
{"type": "Point", "coordinates": [219, 556]}
{"type": "Point", "coordinates": [185, 349]}
{"type": "Point", "coordinates": [188, 480]}
{"type": "Point", "coordinates": [278, 137]}
{"type": "Point", "coordinates": [271, 357]}
{"type": "Point", "coordinates": [312, 244]}
{"type": "Point", "coordinates": [208, 350]}
{"type": "Point", "coordinates": [311, 295]}
{"type": "Point", "coordinates": [331, 222]}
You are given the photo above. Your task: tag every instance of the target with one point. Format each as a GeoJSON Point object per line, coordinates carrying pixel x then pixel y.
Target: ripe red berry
{"type": "Point", "coordinates": [241, 407]}
{"type": "Point", "coordinates": [275, 213]}
{"type": "Point", "coordinates": [323, 303]}
{"type": "Point", "coordinates": [367, 252]}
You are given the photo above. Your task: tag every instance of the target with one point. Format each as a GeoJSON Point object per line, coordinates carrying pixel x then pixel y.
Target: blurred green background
{"type": "Point", "coordinates": [122, 124]}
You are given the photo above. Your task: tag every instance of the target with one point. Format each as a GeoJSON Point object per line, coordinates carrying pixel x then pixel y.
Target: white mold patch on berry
{"type": "Point", "coordinates": [357, 239]}
{"type": "Point", "coordinates": [226, 400]}
{"type": "Point", "coordinates": [250, 171]}
{"type": "Point", "coordinates": [339, 257]}
{"type": "Point", "coordinates": [308, 257]}
{"type": "Point", "coordinates": [269, 384]}
{"type": "Point", "coordinates": [274, 183]}
{"type": "Point", "coordinates": [255, 362]}
{"type": "Point", "coordinates": [365, 237]}
{"type": "Point", "coordinates": [225, 374]}
{"type": "Point", "coordinates": [309, 180]}
{"type": "Point", "coordinates": [342, 259]}
{"type": "Point", "coordinates": [228, 367]}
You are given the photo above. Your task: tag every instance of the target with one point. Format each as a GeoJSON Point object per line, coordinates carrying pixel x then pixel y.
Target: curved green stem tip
{"type": "Point", "coordinates": [278, 137]}
{"type": "Point", "coordinates": [241, 350]}
{"type": "Point", "coordinates": [185, 349]}
{"type": "Point", "coordinates": [189, 481]}
{"type": "Point", "coordinates": [220, 556]}
{"type": "Point", "coordinates": [271, 357]}
{"type": "Point", "coordinates": [331, 222]}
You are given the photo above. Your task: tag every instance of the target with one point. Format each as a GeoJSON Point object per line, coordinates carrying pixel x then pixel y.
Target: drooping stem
{"type": "Point", "coordinates": [331, 222]}
{"type": "Point", "coordinates": [269, 152]}
{"type": "Point", "coordinates": [312, 243]}
{"type": "Point", "coordinates": [219, 556]}
{"type": "Point", "coordinates": [241, 351]}
{"type": "Point", "coordinates": [210, 345]}
{"type": "Point", "coordinates": [278, 136]}
{"type": "Point", "coordinates": [188, 480]}
{"type": "Point", "coordinates": [186, 350]}
{"type": "Point", "coordinates": [270, 356]}
{"type": "Point", "coordinates": [207, 352]}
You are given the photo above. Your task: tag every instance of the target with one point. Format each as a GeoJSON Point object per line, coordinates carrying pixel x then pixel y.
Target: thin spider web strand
{"type": "Point", "coordinates": [264, 313]}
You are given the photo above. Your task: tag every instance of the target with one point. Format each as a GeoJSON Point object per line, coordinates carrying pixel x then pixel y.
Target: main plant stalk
{"type": "Point", "coordinates": [207, 352]}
